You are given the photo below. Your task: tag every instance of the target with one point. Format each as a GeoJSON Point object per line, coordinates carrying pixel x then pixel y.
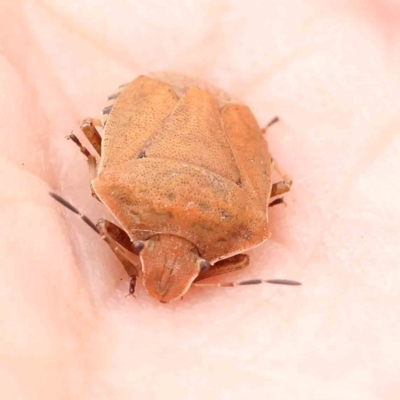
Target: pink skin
{"type": "Point", "coordinates": [330, 71]}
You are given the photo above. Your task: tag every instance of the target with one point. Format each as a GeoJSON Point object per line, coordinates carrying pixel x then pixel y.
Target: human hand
{"type": "Point", "coordinates": [331, 73]}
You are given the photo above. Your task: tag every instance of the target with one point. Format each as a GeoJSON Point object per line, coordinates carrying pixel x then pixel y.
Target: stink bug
{"type": "Point", "coordinates": [186, 172]}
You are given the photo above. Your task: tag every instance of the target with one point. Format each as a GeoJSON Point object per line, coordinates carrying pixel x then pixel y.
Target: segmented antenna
{"type": "Point", "coordinates": [70, 207]}
{"type": "Point", "coordinates": [249, 282]}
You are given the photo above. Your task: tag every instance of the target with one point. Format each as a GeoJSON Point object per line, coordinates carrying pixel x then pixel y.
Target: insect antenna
{"type": "Point", "coordinates": [119, 250]}
{"type": "Point", "coordinates": [249, 282]}
{"type": "Point", "coordinates": [70, 207]}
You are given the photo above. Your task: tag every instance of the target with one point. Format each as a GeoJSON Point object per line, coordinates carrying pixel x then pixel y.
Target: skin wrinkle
{"type": "Point", "coordinates": [384, 16]}
{"type": "Point", "coordinates": [20, 67]}
{"type": "Point", "coordinates": [109, 49]}
{"type": "Point", "coordinates": [284, 60]}
{"type": "Point", "coordinates": [70, 305]}
{"type": "Point", "coordinates": [68, 104]}
{"type": "Point", "coordinates": [76, 336]}
{"type": "Point", "coordinates": [277, 67]}
{"type": "Point", "coordinates": [208, 40]}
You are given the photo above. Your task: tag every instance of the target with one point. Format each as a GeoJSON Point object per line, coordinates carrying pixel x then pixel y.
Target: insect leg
{"type": "Point", "coordinates": [120, 244]}
{"type": "Point", "coordinates": [235, 263]}
{"type": "Point", "coordinates": [277, 201]}
{"type": "Point", "coordinates": [90, 159]}
{"type": "Point", "coordinates": [90, 131]}
{"type": "Point", "coordinates": [114, 236]}
{"type": "Point", "coordinates": [282, 186]}
{"type": "Point", "coordinates": [92, 163]}
{"type": "Point", "coordinates": [285, 184]}
{"type": "Point", "coordinates": [110, 103]}
{"type": "Point", "coordinates": [272, 122]}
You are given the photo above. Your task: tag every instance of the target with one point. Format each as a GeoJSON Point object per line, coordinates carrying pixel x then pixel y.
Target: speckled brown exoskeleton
{"type": "Point", "coordinates": [185, 170]}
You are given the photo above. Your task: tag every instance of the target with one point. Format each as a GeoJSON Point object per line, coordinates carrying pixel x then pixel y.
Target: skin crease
{"type": "Point", "coordinates": [330, 71]}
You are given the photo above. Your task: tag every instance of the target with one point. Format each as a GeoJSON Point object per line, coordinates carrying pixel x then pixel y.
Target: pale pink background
{"type": "Point", "coordinates": [330, 69]}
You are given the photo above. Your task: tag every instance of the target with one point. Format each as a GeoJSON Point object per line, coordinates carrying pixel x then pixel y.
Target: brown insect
{"type": "Point", "coordinates": [186, 172]}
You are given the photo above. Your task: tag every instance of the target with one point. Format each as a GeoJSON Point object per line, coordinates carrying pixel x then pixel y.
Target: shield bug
{"type": "Point", "coordinates": [186, 172]}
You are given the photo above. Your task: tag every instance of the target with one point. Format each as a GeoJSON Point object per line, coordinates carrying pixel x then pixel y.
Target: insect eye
{"type": "Point", "coordinates": [137, 247]}
{"type": "Point", "coordinates": [204, 266]}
